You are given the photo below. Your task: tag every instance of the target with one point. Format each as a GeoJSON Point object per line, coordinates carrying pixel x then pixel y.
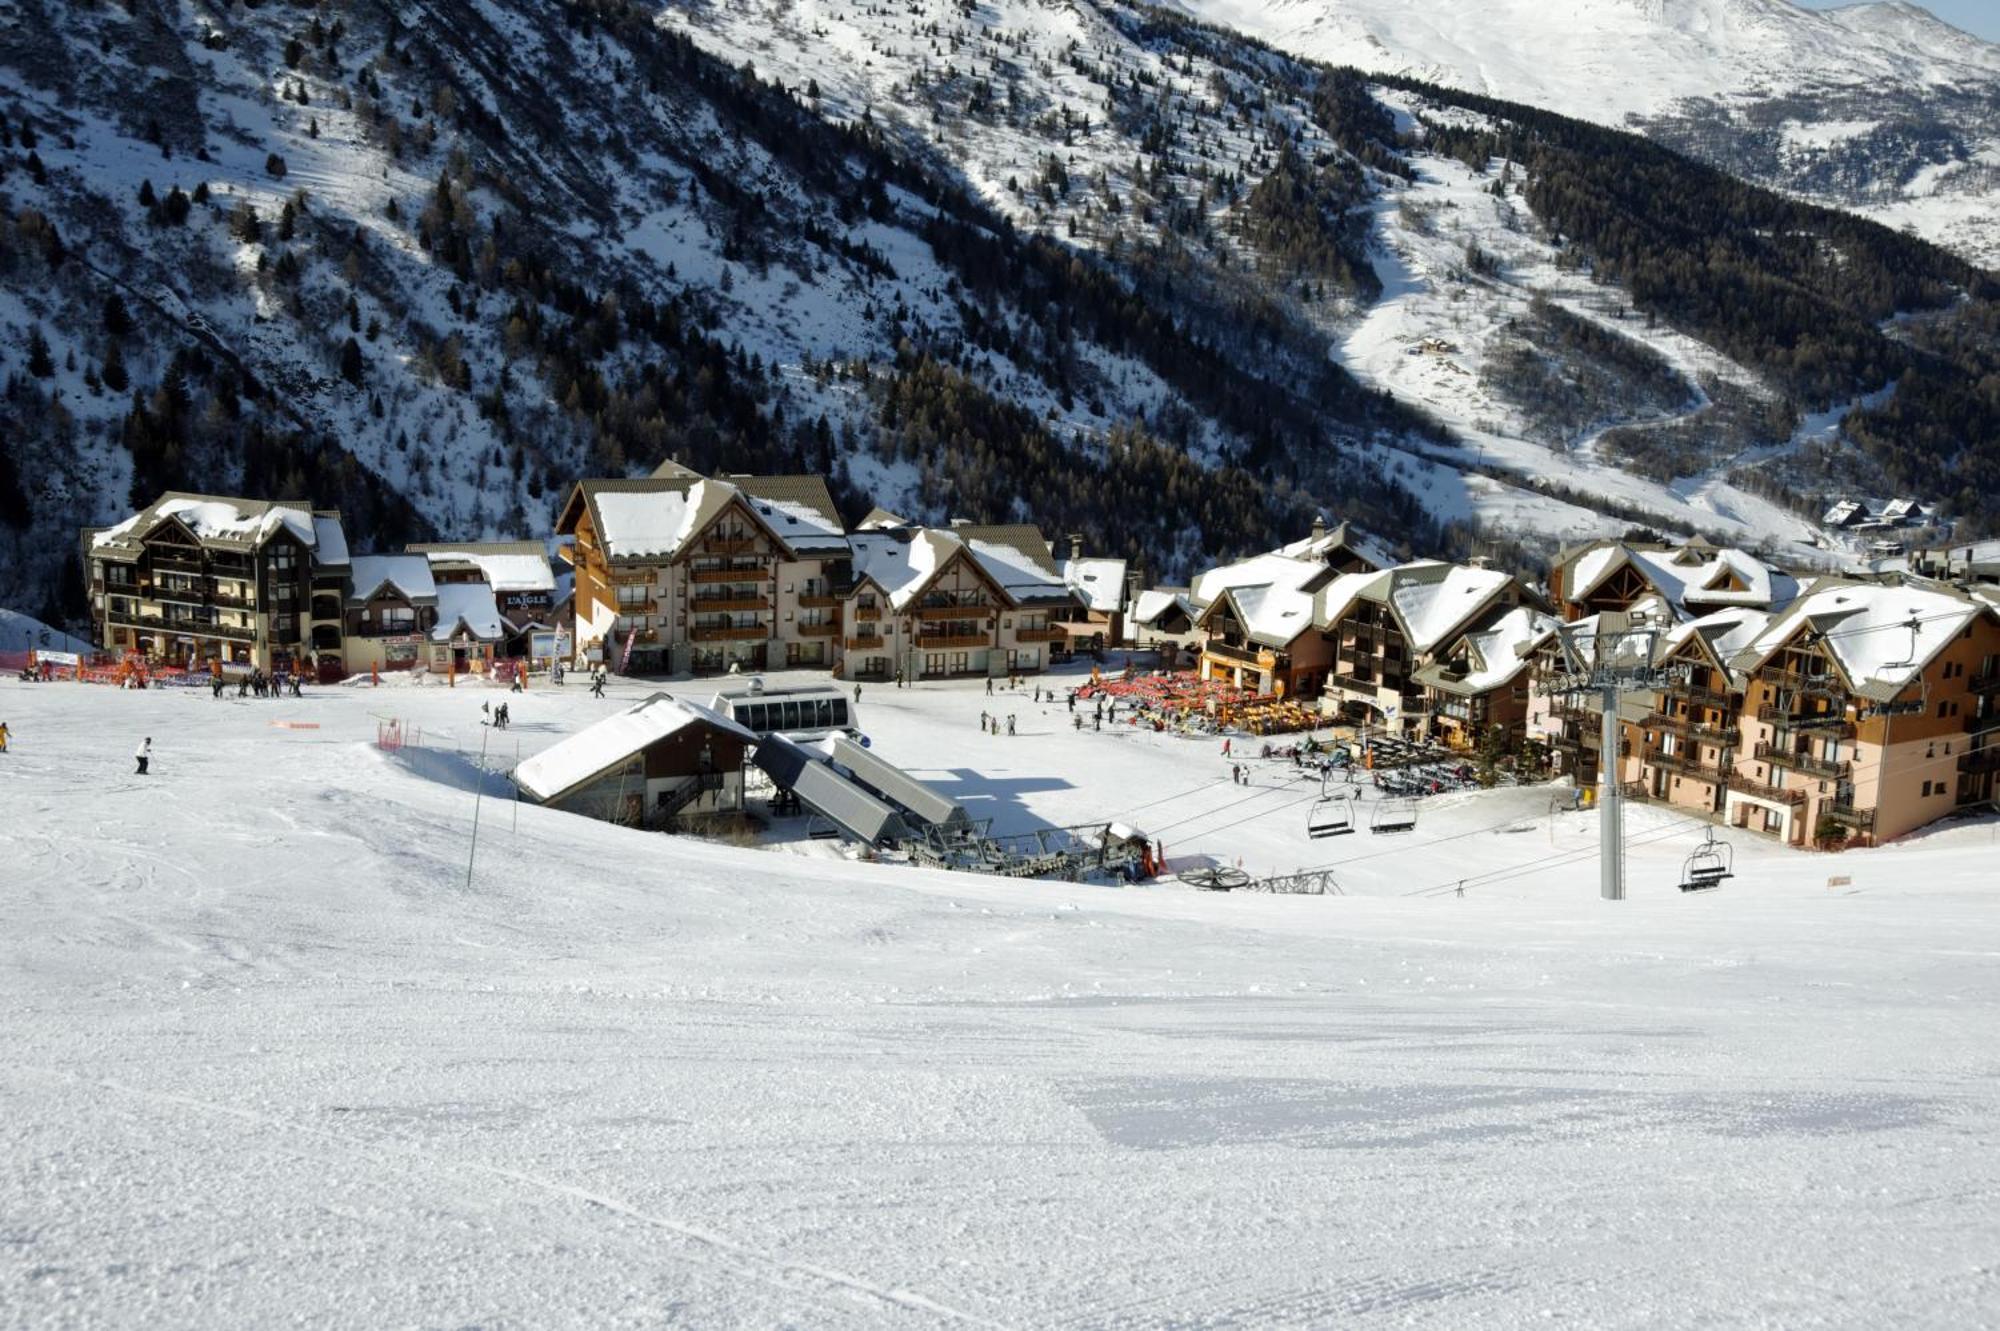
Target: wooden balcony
{"type": "Point", "coordinates": [1222, 651]}
{"type": "Point", "coordinates": [179, 563]}
{"type": "Point", "coordinates": [730, 545]}
{"type": "Point", "coordinates": [867, 614]}
{"type": "Point", "coordinates": [649, 606]}
{"type": "Point", "coordinates": [868, 644]}
{"type": "Point", "coordinates": [183, 628]}
{"type": "Point", "coordinates": [706, 577]}
{"type": "Point", "coordinates": [1686, 764]}
{"type": "Point", "coordinates": [953, 612]}
{"type": "Point", "coordinates": [830, 629]}
{"type": "Point", "coordinates": [730, 633]}
{"type": "Point", "coordinates": [1683, 725]}
{"type": "Point", "coordinates": [1804, 763]}
{"type": "Point", "coordinates": [715, 604]}
{"type": "Point", "coordinates": [1050, 634]}
{"type": "Point", "coordinates": [1696, 694]}
{"type": "Point", "coordinates": [1988, 682]}
{"type": "Point", "coordinates": [1763, 790]}
{"type": "Point", "coordinates": [945, 641]}
{"type": "Point", "coordinates": [1861, 820]}
{"type": "Point", "coordinates": [1980, 761]}
{"type": "Point", "coordinates": [819, 602]}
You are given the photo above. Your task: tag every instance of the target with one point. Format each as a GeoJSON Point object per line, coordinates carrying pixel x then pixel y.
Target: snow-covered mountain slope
{"type": "Point", "coordinates": [1877, 107]}
{"type": "Point", "coordinates": [278, 1063]}
{"type": "Point", "coordinates": [1014, 261]}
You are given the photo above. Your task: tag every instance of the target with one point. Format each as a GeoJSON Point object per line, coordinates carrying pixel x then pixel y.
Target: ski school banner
{"type": "Point", "coordinates": [625, 658]}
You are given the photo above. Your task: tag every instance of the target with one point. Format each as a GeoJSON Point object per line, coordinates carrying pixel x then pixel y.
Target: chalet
{"type": "Point", "coordinates": [1479, 684]}
{"type": "Point", "coordinates": [1868, 712]}
{"type": "Point", "coordinates": [518, 572]}
{"type": "Point", "coordinates": [929, 602]}
{"type": "Point", "coordinates": [1691, 737]}
{"type": "Point", "coordinates": [391, 607]}
{"type": "Point", "coordinates": [1382, 628]}
{"type": "Point", "coordinates": [197, 580]}
{"type": "Point", "coordinates": [1101, 590]}
{"type": "Point", "coordinates": [657, 760]}
{"type": "Point", "coordinates": [685, 573]}
{"type": "Point", "coordinates": [1258, 623]}
{"type": "Point", "coordinates": [1845, 513]}
{"type": "Point", "coordinates": [1692, 579]}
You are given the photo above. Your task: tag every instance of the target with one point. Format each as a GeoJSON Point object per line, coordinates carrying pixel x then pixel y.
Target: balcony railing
{"type": "Point", "coordinates": [703, 577]}
{"type": "Point", "coordinates": [729, 633]}
{"type": "Point", "coordinates": [183, 628]}
{"type": "Point", "coordinates": [712, 602]}
{"type": "Point", "coordinates": [1764, 790]}
{"type": "Point", "coordinates": [943, 641]}
{"type": "Point", "coordinates": [871, 643]}
{"type": "Point", "coordinates": [831, 629]}
{"type": "Point", "coordinates": [1223, 651]}
{"type": "Point", "coordinates": [1683, 725]}
{"type": "Point", "coordinates": [970, 611]}
{"type": "Point", "coordinates": [1356, 684]}
{"type": "Point", "coordinates": [1806, 763]}
{"type": "Point", "coordinates": [1861, 820]}
{"type": "Point", "coordinates": [1684, 763]}
{"type": "Point", "coordinates": [867, 614]}
{"type": "Point", "coordinates": [730, 545]}
{"type": "Point", "coordinates": [1697, 694]}
{"type": "Point", "coordinates": [1051, 634]}
{"type": "Point", "coordinates": [185, 563]}
{"type": "Point", "coordinates": [649, 606]}
{"type": "Point", "coordinates": [1985, 682]}
{"type": "Point", "coordinates": [1980, 761]}
{"type": "Point", "coordinates": [818, 602]}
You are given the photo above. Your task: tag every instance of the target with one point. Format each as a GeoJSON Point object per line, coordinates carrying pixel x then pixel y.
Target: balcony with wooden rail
{"type": "Point", "coordinates": [829, 629]}
{"type": "Point", "coordinates": [1685, 764]}
{"type": "Point", "coordinates": [871, 643]}
{"type": "Point", "coordinates": [1980, 761]}
{"type": "Point", "coordinates": [817, 601]}
{"type": "Point", "coordinates": [1806, 764]}
{"type": "Point", "coordinates": [729, 545]}
{"type": "Point", "coordinates": [1050, 634]}
{"type": "Point", "coordinates": [1250, 656]}
{"type": "Point", "coordinates": [867, 614]}
{"type": "Point", "coordinates": [649, 606]}
{"type": "Point", "coordinates": [1836, 725]}
{"type": "Point", "coordinates": [178, 563]}
{"type": "Point", "coordinates": [180, 627]}
{"type": "Point", "coordinates": [969, 611]}
{"type": "Point", "coordinates": [1696, 693]}
{"type": "Point", "coordinates": [729, 633]}
{"type": "Point", "coordinates": [714, 603]}
{"type": "Point", "coordinates": [1861, 820]}
{"type": "Point", "coordinates": [1764, 790]}
{"type": "Point", "coordinates": [936, 642]}
{"type": "Point", "coordinates": [1693, 729]}
{"type": "Point", "coordinates": [710, 577]}
{"type": "Point", "coordinates": [1987, 681]}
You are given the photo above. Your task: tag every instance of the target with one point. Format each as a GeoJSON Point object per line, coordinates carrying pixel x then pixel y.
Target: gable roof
{"type": "Point", "coordinates": [1433, 600]}
{"type": "Point", "coordinates": [568, 763]}
{"type": "Point", "coordinates": [1098, 583]}
{"type": "Point", "coordinates": [799, 510]}
{"type": "Point", "coordinates": [1154, 602]}
{"type": "Point", "coordinates": [224, 523]}
{"type": "Point", "coordinates": [655, 519]}
{"type": "Point", "coordinates": [408, 574]}
{"type": "Point", "coordinates": [1693, 578]}
{"type": "Point", "coordinates": [507, 566]}
{"type": "Point", "coordinates": [1864, 629]}
{"type": "Point", "coordinates": [471, 605]}
{"type": "Point", "coordinates": [1496, 654]}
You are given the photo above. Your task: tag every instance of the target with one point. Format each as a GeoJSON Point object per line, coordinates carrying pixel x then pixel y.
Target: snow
{"type": "Point", "coordinates": [1434, 600]}
{"type": "Point", "coordinates": [23, 633]}
{"type": "Point", "coordinates": [504, 573]}
{"type": "Point", "coordinates": [1099, 583]}
{"type": "Point", "coordinates": [1022, 577]}
{"type": "Point", "coordinates": [645, 525]}
{"type": "Point", "coordinates": [1156, 601]}
{"type": "Point", "coordinates": [411, 575]}
{"type": "Point", "coordinates": [591, 750]}
{"type": "Point", "coordinates": [1501, 650]}
{"type": "Point", "coordinates": [467, 607]}
{"type": "Point", "coordinates": [803, 528]}
{"type": "Point", "coordinates": [278, 1063]}
{"type": "Point", "coordinates": [329, 540]}
{"type": "Point", "coordinates": [1865, 630]}
{"type": "Point", "coordinates": [219, 519]}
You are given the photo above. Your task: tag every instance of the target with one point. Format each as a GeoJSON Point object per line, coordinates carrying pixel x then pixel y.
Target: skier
{"type": "Point", "coordinates": [1225, 748]}
{"type": "Point", "coordinates": [989, 686]}
{"type": "Point", "coordinates": [297, 681]}
{"type": "Point", "coordinates": [486, 714]}
{"type": "Point", "coordinates": [3, 736]}
{"type": "Point", "coordinates": [597, 685]}
{"type": "Point", "coordinates": [857, 695]}
{"type": "Point", "coordinates": [1072, 704]}
{"type": "Point", "coordinates": [1097, 722]}
{"type": "Point", "coordinates": [502, 717]}
{"type": "Point", "coordinates": [1076, 721]}
{"type": "Point", "coordinates": [144, 754]}
{"type": "Point", "coordinates": [1010, 724]}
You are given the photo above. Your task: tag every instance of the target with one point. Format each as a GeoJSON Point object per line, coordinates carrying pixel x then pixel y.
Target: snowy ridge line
{"type": "Point", "coordinates": [707, 1238]}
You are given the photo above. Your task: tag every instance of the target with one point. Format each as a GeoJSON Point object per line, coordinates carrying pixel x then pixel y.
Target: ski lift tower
{"type": "Point", "coordinates": [1619, 657]}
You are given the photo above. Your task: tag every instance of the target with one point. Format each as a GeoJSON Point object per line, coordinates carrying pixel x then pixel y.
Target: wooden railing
{"type": "Point", "coordinates": [953, 611]}
{"type": "Point", "coordinates": [1050, 634]}
{"type": "Point", "coordinates": [730, 545]}
{"type": "Point", "coordinates": [710, 576]}
{"type": "Point", "coordinates": [1222, 651]}
{"type": "Point", "coordinates": [944, 641]}
{"type": "Point", "coordinates": [1809, 764]}
{"type": "Point", "coordinates": [729, 633]}
{"type": "Point", "coordinates": [1763, 790]}
{"type": "Point", "coordinates": [818, 602]}
{"type": "Point", "coordinates": [706, 604]}
{"type": "Point", "coordinates": [186, 628]}
{"type": "Point", "coordinates": [830, 629]}
{"type": "Point", "coordinates": [869, 644]}
{"type": "Point", "coordinates": [867, 614]}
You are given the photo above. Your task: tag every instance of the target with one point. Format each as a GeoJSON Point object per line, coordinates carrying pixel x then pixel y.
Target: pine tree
{"type": "Point", "coordinates": [146, 195]}
{"type": "Point", "coordinates": [114, 374]}
{"type": "Point", "coordinates": [117, 319]}
{"type": "Point", "coordinates": [275, 166]}
{"type": "Point", "coordinates": [351, 363]}
{"type": "Point", "coordinates": [40, 363]}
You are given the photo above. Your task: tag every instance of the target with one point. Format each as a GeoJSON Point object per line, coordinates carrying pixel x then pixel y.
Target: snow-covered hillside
{"type": "Point", "coordinates": [1877, 107]}
{"type": "Point", "coordinates": [268, 1058]}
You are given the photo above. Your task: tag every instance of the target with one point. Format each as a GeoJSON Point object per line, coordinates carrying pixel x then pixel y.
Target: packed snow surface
{"type": "Point", "coordinates": [266, 1057]}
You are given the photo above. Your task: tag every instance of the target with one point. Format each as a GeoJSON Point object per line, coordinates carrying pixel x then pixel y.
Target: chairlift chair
{"type": "Point", "coordinates": [1394, 815]}
{"type": "Point", "coordinates": [1331, 815]}
{"type": "Point", "coordinates": [1711, 863]}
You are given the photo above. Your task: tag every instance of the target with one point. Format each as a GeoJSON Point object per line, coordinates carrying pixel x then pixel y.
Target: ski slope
{"type": "Point", "coordinates": [266, 1057]}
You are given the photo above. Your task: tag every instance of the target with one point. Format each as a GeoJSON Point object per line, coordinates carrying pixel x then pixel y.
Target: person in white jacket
{"type": "Point", "coordinates": [144, 753]}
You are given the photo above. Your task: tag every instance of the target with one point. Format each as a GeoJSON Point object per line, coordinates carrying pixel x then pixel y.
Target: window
{"type": "Point", "coordinates": [398, 619]}
{"type": "Point", "coordinates": [631, 594]}
{"type": "Point", "coordinates": [840, 711]}
{"type": "Point", "coordinates": [1927, 790]}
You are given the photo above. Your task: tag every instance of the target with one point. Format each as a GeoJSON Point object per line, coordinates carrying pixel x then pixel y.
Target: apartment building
{"type": "Point", "coordinates": [197, 580]}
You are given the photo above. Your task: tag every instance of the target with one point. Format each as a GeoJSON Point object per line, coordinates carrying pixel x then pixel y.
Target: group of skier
{"type": "Point", "coordinates": [279, 685]}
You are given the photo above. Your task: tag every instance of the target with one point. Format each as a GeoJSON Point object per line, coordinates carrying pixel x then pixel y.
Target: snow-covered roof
{"type": "Point", "coordinates": [902, 561]}
{"type": "Point", "coordinates": [329, 539]}
{"type": "Point", "coordinates": [1017, 558]}
{"type": "Point", "coordinates": [1270, 570]}
{"type": "Point", "coordinates": [1323, 545]}
{"type": "Point", "coordinates": [570, 762]}
{"type": "Point", "coordinates": [1726, 633]}
{"type": "Point", "coordinates": [1434, 600]}
{"type": "Point", "coordinates": [655, 519]}
{"type": "Point", "coordinates": [799, 511]}
{"type": "Point", "coordinates": [1495, 654]}
{"type": "Point", "coordinates": [1098, 583]}
{"type": "Point", "coordinates": [409, 574]}
{"type": "Point", "coordinates": [1692, 579]}
{"type": "Point", "coordinates": [1864, 627]}
{"type": "Point", "coordinates": [1154, 602]}
{"type": "Point", "coordinates": [240, 523]}
{"type": "Point", "coordinates": [470, 604]}
{"type": "Point", "coordinates": [509, 566]}
{"type": "Point", "coordinates": [652, 523]}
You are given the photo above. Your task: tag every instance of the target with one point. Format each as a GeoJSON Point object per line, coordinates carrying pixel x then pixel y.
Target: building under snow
{"type": "Point", "coordinates": [643, 766]}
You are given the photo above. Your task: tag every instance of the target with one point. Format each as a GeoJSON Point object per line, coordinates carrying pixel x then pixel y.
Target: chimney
{"type": "Point", "coordinates": [1319, 525]}
{"type": "Point", "coordinates": [1076, 545]}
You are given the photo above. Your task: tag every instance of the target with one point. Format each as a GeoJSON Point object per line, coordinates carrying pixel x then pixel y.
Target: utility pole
{"type": "Point", "coordinates": [1618, 658]}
